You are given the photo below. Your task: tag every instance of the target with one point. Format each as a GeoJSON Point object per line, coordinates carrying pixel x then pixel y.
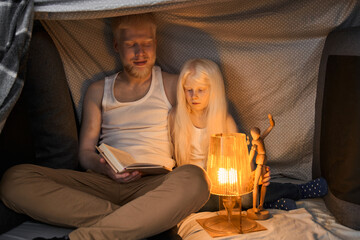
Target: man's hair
{"type": "Point", "coordinates": [133, 20]}
{"type": "Point", "coordinates": [204, 72]}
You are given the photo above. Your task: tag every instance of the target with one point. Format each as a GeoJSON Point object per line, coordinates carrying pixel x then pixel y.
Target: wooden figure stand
{"type": "Point", "coordinates": [258, 212]}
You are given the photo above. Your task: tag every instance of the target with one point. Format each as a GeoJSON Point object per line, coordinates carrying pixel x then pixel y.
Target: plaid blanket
{"type": "Point", "coordinates": [16, 21]}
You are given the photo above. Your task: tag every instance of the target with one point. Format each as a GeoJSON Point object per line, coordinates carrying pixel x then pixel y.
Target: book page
{"type": "Point", "coordinates": [122, 161]}
{"type": "Point", "coordinates": [154, 169]}
{"type": "Point", "coordinates": [149, 165]}
{"type": "Point", "coordinates": [107, 155]}
{"type": "Point", "coordinates": [123, 157]}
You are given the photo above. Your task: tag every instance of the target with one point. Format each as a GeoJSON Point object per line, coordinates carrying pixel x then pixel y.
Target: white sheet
{"type": "Point", "coordinates": [29, 230]}
{"type": "Point", "coordinates": [311, 220]}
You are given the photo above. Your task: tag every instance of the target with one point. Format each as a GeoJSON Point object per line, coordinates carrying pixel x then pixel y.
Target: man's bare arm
{"type": "Point", "coordinates": [90, 128]}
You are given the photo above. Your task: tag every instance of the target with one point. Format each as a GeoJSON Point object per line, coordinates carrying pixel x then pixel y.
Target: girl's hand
{"type": "Point", "coordinates": [266, 178]}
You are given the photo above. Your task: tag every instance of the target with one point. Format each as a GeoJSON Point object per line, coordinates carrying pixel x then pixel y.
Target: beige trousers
{"type": "Point", "coordinates": [99, 207]}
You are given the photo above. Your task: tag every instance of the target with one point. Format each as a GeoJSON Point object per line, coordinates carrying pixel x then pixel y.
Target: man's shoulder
{"type": "Point", "coordinates": [170, 83]}
{"type": "Point", "coordinates": [169, 76]}
{"type": "Point", "coordinates": [97, 85]}
{"type": "Point", "coordinates": [95, 90]}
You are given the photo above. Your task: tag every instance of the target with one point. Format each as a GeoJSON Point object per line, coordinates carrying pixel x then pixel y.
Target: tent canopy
{"type": "Point", "coordinates": [269, 53]}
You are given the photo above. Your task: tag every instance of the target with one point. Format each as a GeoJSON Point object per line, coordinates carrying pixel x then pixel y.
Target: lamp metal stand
{"type": "Point", "coordinates": [231, 223]}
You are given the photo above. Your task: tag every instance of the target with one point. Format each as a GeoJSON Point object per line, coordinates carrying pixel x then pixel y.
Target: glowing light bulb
{"type": "Point", "coordinates": [227, 176]}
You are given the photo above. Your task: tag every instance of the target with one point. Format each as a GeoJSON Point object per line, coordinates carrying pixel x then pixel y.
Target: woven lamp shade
{"type": "Point", "coordinates": [228, 165]}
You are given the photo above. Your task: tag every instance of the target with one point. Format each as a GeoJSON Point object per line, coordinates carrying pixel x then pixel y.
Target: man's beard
{"type": "Point", "coordinates": [138, 73]}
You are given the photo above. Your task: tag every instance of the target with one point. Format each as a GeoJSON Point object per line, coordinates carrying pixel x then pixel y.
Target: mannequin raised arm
{"type": "Point", "coordinates": [268, 130]}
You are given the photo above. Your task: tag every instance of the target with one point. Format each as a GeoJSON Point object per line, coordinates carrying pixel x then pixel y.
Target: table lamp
{"type": "Point", "coordinates": [229, 170]}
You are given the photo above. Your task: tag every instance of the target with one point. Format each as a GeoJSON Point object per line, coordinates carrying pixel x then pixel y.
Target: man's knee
{"type": "Point", "coordinates": [195, 182]}
{"type": "Point", "coordinates": [12, 180]}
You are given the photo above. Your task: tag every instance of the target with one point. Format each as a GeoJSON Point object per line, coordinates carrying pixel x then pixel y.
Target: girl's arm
{"type": "Point", "coordinates": [171, 122]}
{"type": "Point", "coordinates": [231, 126]}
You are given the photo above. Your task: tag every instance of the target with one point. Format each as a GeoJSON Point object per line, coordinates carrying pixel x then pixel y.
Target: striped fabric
{"type": "Point", "coordinates": [16, 19]}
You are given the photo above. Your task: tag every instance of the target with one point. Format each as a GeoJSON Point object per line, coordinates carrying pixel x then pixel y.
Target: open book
{"type": "Point", "coordinates": [121, 161]}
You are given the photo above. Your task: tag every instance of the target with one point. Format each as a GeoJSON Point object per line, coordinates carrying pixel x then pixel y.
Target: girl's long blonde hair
{"type": "Point", "coordinates": [207, 72]}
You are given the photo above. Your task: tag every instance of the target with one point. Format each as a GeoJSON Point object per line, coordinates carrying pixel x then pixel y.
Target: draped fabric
{"type": "Point", "coordinates": [16, 20]}
{"type": "Point", "coordinates": [269, 53]}
{"type": "Point", "coordinates": [91, 9]}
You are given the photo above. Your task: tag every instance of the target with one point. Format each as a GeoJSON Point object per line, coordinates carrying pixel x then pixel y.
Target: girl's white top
{"type": "Point", "coordinates": [198, 155]}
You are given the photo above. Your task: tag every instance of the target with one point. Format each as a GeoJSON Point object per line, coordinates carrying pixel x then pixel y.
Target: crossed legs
{"type": "Point", "coordinates": [100, 207]}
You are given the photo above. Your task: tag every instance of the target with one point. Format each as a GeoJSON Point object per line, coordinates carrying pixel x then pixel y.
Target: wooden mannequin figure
{"type": "Point", "coordinates": [258, 212]}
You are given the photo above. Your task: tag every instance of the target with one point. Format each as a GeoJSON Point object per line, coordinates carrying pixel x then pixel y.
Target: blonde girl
{"type": "Point", "coordinates": [201, 110]}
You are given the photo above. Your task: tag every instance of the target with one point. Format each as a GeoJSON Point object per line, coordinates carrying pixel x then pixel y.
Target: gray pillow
{"type": "Point", "coordinates": [49, 105]}
{"type": "Point", "coordinates": [41, 129]}
{"type": "Point", "coordinates": [336, 138]}
{"type": "Point", "coordinates": [340, 138]}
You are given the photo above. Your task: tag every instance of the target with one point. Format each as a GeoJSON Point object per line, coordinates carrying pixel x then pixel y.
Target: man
{"type": "Point", "coordinates": [128, 111]}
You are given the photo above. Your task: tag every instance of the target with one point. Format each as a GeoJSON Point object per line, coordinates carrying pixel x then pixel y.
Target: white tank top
{"type": "Point", "coordinates": [140, 127]}
{"type": "Point", "coordinates": [197, 154]}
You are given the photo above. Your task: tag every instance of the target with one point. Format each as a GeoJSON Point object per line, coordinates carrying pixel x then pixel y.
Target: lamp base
{"type": "Point", "coordinates": [219, 226]}
{"type": "Point", "coordinates": [262, 215]}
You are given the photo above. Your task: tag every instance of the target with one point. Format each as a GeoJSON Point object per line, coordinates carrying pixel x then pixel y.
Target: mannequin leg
{"type": "Point", "coordinates": [256, 187]}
